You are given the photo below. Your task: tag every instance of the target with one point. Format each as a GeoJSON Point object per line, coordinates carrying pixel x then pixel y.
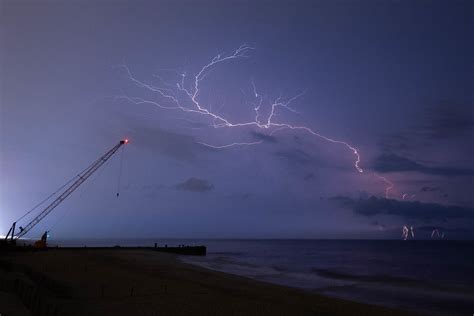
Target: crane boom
{"type": "Point", "coordinates": [81, 178]}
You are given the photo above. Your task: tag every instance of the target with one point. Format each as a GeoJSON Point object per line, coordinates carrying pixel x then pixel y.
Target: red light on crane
{"type": "Point", "coordinates": [125, 140]}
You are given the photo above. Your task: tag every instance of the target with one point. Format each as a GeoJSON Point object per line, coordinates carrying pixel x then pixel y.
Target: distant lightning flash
{"type": "Point", "coordinates": [408, 233]}
{"type": "Point", "coordinates": [405, 232]}
{"type": "Point", "coordinates": [435, 231]}
{"type": "Point", "coordinates": [190, 90]}
{"type": "Point", "coordinates": [389, 184]}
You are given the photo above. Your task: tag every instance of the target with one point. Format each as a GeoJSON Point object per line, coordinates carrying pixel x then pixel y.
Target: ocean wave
{"type": "Point", "coordinates": [390, 280]}
{"type": "Point", "coordinates": [280, 268]}
{"type": "Point", "coordinates": [226, 253]}
{"type": "Point", "coordinates": [232, 261]}
{"type": "Point", "coordinates": [378, 278]}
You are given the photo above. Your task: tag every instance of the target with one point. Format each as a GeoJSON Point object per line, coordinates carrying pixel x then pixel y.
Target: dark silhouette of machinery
{"type": "Point", "coordinates": [10, 238]}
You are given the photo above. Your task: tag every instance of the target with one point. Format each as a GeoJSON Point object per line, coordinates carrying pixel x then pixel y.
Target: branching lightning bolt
{"type": "Point", "coordinates": [191, 91]}
{"type": "Point", "coordinates": [230, 145]}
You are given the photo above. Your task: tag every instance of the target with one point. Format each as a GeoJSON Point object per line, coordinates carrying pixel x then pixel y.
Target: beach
{"type": "Point", "coordinates": [145, 282]}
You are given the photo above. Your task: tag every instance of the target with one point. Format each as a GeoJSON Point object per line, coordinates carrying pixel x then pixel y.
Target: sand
{"type": "Point", "coordinates": [141, 282]}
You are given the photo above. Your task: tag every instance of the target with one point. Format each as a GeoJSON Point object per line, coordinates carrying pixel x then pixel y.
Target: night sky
{"type": "Point", "coordinates": [393, 79]}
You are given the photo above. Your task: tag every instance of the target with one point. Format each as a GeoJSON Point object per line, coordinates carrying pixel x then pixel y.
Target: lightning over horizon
{"type": "Point", "coordinates": [319, 126]}
{"type": "Point", "coordinates": [184, 96]}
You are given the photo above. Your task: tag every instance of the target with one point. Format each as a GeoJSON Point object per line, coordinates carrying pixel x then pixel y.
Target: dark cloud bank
{"type": "Point", "coordinates": [263, 137]}
{"type": "Point", "coordinates": [296, 157]}
{"type": "Point", "coordinates": [406, 209]}
{"type": "Point", "coordinates": [195, 185]}
{"type": "Point", "coordinates": [447, 119]}
{"type": "Point", "coordinates": [175, 145]}
{"type": "Point", "coordinates": [395, 163]}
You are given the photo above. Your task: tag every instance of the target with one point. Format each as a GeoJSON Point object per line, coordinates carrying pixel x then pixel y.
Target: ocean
{"type": "Point", "coordinates": [429, 277]}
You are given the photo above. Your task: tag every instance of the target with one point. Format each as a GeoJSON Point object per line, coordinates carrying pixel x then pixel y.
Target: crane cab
{"type": "Point", "coordinates": [42, 242]}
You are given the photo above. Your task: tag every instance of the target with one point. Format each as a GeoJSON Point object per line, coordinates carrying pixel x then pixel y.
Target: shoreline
{"type": "Point", "coordinates": [141, 282]}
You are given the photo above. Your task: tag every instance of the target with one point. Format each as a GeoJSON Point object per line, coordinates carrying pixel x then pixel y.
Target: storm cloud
{"type": "Point", "coordinates": [263, 137]}
{"type": "Point", "coordinates": [175, 145]}
{"type": "Point", "coordinates": [405, 209]}
{"type": "Point", "coordinates": [296, 157]}
{"type": "Point", "coordinates": [195, 185]}
{"type": "Point", "coordinates": [447, 119]}
{"type": "Point", "coordinates": [395, 163]}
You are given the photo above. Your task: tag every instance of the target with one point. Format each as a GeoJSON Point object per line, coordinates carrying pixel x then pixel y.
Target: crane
{"type": "Point", "coordinates": [83, 176]}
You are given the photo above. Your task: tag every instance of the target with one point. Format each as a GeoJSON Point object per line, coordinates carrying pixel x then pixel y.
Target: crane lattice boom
{"type": "Point", "coordinates": [81, 178]}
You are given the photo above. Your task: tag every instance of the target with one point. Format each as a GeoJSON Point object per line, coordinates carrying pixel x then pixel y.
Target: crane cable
{"type": "Point", "coordinates": [86, 189]}
{"type": "Point", "coordinates": [81, 193]}
{"type": "Point", "coordinates": [120, 173]}
{"type": "Point", "coordinates": [51, 195]}
{"type": "Point", "coordinates": [54, 193]}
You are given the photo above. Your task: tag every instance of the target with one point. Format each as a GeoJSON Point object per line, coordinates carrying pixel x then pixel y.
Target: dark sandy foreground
{"type": "Point", "coordinates": [140, 282]}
